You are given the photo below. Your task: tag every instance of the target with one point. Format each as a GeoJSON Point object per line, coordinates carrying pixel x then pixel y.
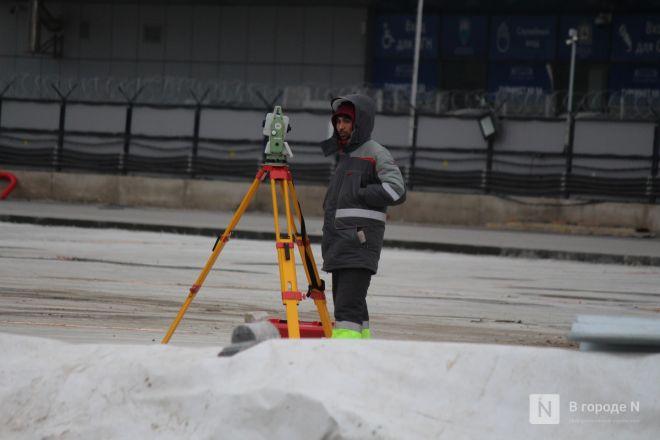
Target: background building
{"type": "Point", "coordinates": [514, 48]}
{"type": "Point", "coordinates": [153, 86]}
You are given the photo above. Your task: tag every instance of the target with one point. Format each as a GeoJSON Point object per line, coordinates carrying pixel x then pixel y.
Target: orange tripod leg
{"type": "Point", "coordinates": [306, 255]}
{"type": "Point", "coordinates": [285, 256]}
{"type": "Point", "coordinates": [220, 244]}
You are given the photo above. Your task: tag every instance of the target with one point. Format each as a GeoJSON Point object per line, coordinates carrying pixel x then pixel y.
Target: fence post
{"type": "Point", "coordinates": [654, 162]}
{"type": "Point", "coordinates": [413, 154]}
{"type": "Point", "coordinates": [192, 163]}
{"type": "Point", "coordinates": [128, 126]}
{"type": "Point", "coordinates": [489, 164]}
{"type": "Point", "coordinates": [2, 95]}
{"type": "Point", "coordinates": [568, 151]}
{"type": "Point", "coordinates": [57, 158]}
{"type": "Point", "coordinates": [1, 111]}
{"type": "Point", "coordinates": [57, 153]}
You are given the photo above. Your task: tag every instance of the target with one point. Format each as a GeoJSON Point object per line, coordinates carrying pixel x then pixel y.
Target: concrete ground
{"type": "Point", "coordinates": [640, 250]}
{"type": "Point", "coordinates": [99, 285]}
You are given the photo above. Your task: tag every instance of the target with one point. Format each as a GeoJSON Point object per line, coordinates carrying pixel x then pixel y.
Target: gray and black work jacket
{"type": "Point", "coordinates": [366, 181]}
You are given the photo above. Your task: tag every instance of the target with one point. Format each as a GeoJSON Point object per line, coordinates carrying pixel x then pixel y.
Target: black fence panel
{"type": "Point", "coordinates": [172, 165]}
{"type": "Point", "coordinates": [624, 188]}
{"type": "Point", "coordinates": [75, 160]}
{"type": "Point", "coordinates": [546, 185]}
{"type": "Point", "coordinates": [40, 158]}
{"type": "Point", "coordinates": [214, 167]}
{"type": "Point", "coordinates": [431, 178]}
{"type": "Point", "coordinates": [528, 172]}
{"type": "Point", "coordinates": [311, 172]}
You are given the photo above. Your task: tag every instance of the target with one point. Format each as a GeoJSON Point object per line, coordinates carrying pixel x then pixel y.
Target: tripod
{"type": "Point", "coordinates": [279, 174]}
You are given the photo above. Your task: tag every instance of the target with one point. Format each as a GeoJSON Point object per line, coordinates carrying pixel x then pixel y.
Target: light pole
{"type": "Point", "coordinates": [571, 41]}
{"type": "Point", "coordinates": [412, 132]}
{"type": "Point", "coordinates": [570, 120]}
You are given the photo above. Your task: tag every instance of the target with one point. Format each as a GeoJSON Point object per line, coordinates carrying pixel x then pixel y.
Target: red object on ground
{"type": "Point", "coordinates": [12, 183]}
{"type": "Point", "coordinates": [308, 329]}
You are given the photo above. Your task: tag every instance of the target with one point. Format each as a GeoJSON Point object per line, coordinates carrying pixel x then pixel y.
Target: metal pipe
{"type": "Point", "coordinates": [570, 120]}
{"type": "Point", "coordinates": [413, 88]}
{"type": "Point", "coordinates": [572, 40]}
{"type": "Point", "coordinates": [34, 27]}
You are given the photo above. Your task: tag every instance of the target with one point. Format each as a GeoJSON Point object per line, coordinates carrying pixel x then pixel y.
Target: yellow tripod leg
{"type": "Point", "coordinates": [285, 256]}
{"type": "Point", "coordinates": [292, 322]}
{"type": "Point", "coordinates": [305, 250]}
{"type": "Point", "coordinates": [220, 244]}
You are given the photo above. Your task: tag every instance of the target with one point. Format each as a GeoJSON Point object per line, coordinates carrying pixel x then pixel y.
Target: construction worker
{"type": "Point", "coordinates": [366, 181]}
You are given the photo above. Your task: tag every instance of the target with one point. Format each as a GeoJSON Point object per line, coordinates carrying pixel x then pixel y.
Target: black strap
{"type": "Point", "coordinates": [317, 284]}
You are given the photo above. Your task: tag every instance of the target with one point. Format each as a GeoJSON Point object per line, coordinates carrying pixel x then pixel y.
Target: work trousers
{"type": "Point", "coordinates": [349, 294]}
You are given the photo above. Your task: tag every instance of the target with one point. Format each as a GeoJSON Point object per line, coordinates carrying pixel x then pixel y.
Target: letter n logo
{"type": "Point", "coordinates": [544, 409]}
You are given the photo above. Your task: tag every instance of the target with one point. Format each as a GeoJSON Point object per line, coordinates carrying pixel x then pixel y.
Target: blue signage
{"type": "Point", "coordinates": [464, 36]}
{"type": "Point", "coordinates": [593, 41]}
{"type": "Point", "coordinates": [387, 73]}
{"type": "Point", "coordinates": [631, 77]}
{"type": "Point", "coordinates": [395, 36]}
{"type": "Point", "coordinates": [531, 37]}
{"type": "Point", "coordinates": [528, 78]}
{"type": "Point", "coordinates": [636, 38]}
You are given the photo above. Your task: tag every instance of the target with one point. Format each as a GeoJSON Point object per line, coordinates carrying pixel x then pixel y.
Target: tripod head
{"type": "Point", "coordinates": [276, 126]}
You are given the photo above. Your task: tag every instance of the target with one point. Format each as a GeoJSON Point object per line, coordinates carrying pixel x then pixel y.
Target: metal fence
{"type": "Point", "coordinates": [620, 105]}
{"type": "Point", "coordinates": [531, 172]}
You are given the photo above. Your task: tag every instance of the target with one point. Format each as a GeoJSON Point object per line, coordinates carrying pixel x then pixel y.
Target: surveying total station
{"type": "Point", "coordinates": [276, 169]}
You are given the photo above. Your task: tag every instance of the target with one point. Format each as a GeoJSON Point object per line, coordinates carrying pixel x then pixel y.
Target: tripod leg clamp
{"type": "Point", "coordinates": [316, 291]}
{"type": "Point", "coordinates": [224, 238]}
{"type": "Point", "coordinates": [292, 295]}
{"type": "Point", "coordinates": [316, 294]}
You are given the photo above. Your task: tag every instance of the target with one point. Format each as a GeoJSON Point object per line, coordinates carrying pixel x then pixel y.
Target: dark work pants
{"type": "Point", "coordinates": [349, 294]}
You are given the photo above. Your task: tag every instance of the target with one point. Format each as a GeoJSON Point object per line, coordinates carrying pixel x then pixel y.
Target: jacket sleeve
{"type": "Point", "coordinates": [391, 190]}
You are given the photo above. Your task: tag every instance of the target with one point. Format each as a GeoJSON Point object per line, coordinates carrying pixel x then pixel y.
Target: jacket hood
{"type": "Point", "coordinates": [365, 114]}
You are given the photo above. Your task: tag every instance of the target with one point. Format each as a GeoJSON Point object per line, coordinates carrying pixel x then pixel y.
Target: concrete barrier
{"type": "Point", "coordinates": [420, 207]}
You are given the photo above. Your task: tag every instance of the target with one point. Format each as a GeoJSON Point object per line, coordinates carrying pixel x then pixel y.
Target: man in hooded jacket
{"type": "Point", "coordinates": [366, 181]}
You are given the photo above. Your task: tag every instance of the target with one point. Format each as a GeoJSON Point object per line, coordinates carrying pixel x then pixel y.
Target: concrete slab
{"type": "Point", "coordinates": [622, 332]}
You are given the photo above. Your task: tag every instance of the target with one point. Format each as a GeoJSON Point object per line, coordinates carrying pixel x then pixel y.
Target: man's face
{"type": "Point", "coordinates": [344, 127]}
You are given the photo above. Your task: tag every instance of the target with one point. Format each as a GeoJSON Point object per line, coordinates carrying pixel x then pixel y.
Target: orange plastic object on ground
{"type": "Point", "coordinates": [308, 329]}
